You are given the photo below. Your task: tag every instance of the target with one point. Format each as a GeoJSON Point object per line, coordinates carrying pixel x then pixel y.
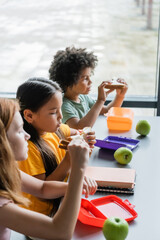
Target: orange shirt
{"type": "Point", "coordinates": [33, 165]}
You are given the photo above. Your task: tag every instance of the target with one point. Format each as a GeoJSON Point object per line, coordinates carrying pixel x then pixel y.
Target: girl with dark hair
{"type": "Point", "coordinates": [13, 146]}
{"type": "Point", "coordinates": [40, 107]}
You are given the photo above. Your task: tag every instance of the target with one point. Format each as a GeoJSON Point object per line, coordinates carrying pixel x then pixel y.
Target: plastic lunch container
{"type": "Point", "coordinates": [114, 142]}
{"type": "Point", "coordinates": [96, 211]}
{"type": "Point", "coordinates": [120, 119]}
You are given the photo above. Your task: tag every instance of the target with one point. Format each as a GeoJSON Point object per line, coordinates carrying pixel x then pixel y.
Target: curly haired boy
{"type": "Point", "coordinates": [72, 69]}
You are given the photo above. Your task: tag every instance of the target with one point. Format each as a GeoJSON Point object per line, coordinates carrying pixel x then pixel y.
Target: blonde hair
{"type": "Point", "coordinates": [10, 181]}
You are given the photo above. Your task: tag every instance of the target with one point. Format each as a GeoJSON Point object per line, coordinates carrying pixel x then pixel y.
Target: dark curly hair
{"type": "Point", "coordinates": [68, 64]}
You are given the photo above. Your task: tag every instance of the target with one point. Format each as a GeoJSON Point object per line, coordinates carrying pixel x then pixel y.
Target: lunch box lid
{"type": "Point", "coordinates": [114, 142]}
{"type": "Point", "coordinates": [96, 211]}
{"type": "Point", "coordinates": [120, 114]}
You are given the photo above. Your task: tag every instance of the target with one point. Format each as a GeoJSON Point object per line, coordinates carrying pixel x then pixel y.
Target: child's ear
{"type": "Point", "coordinates": [28, 115]}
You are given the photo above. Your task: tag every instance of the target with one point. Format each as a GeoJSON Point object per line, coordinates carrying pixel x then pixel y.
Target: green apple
{"type": "Point", "coordinates": [123, 155]}
{"type": "Point", "coordinates": [143, 127]}
{"type": "Point", "coordinates": [115, 228]}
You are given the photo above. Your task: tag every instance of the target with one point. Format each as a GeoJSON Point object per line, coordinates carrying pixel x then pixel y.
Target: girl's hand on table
{"type": "Point", "coordinates": [89, 186]}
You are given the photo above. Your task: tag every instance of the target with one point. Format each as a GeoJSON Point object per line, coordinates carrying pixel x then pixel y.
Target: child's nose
{"type": "Point", "coordinates": [90, 81]}
{"type": "Point", "coordinates": [60, 115]}
{"type": "Point", "coordinates": [27, 136]}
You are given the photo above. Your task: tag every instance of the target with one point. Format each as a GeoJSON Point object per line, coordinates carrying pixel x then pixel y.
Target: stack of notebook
{"type": "Point", "coordinates": [114, 180]}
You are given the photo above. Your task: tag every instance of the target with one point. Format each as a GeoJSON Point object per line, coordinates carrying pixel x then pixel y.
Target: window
{"type": "Point", "coordinates": [122, 33]}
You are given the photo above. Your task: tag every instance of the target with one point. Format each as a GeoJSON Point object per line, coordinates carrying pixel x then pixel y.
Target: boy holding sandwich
{"type": "Point", "coordinates": [72, 69]}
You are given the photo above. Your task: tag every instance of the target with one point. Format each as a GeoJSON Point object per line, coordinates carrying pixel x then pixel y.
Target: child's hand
{"type": "Point", "coordinates": [102, 93]}
{"type": "Point", "coordinates": [89, 186]}
{"type": "Point", "coordinates": [90, 138]}
{"type": "Point", "coordinates": [121, 92]}
{"type": "Point", "coordinates": [79, 153]}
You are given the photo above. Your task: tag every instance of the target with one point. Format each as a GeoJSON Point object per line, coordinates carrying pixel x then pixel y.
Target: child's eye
{"type": "Point", "coordinates": [84, 79]}
{"type": "Point", "coordinates": [21, 131]}
{"type": "Point", "coordinates": [53, 113]}
{"type": "Point", "coordinates": [87, 78]}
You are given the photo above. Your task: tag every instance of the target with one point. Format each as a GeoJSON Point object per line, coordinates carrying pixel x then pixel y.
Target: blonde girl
{"type": "Point", "coordinates": [14, 146]}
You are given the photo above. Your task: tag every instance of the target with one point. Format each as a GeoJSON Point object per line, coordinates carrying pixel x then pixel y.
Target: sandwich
{"type": "Point", "coordinates": [114, 84]}
{"type": "Point", "coordinates": [82, 133]}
